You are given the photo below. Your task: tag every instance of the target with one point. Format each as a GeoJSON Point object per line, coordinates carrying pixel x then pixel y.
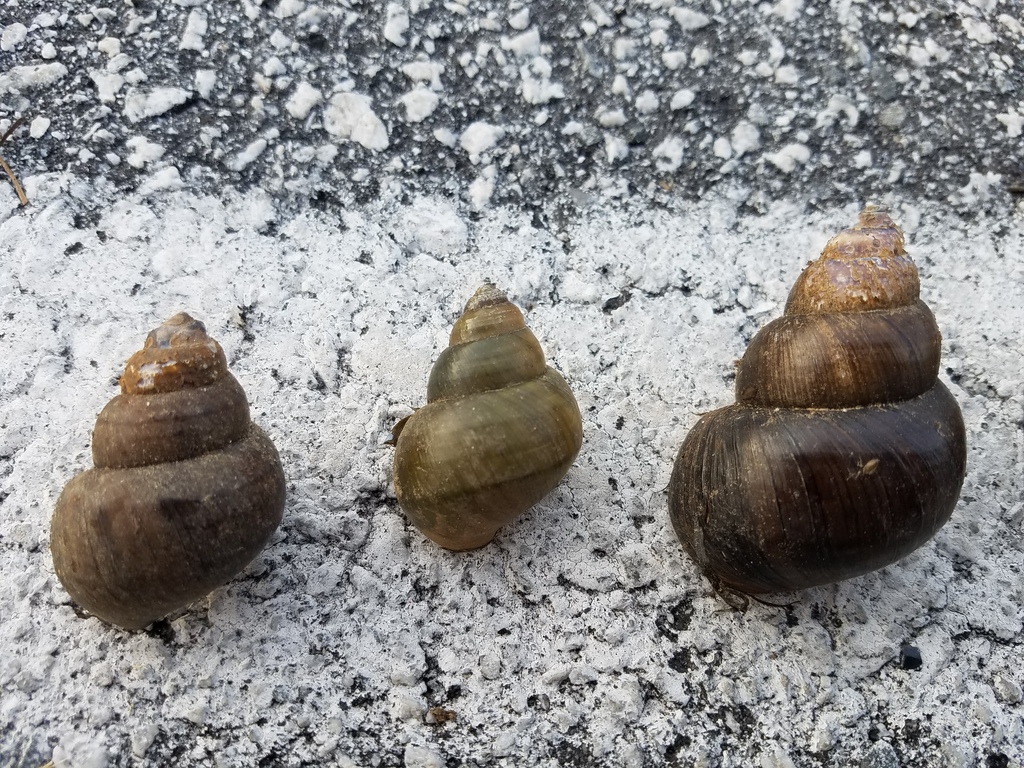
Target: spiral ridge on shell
{"type": "Point", "coordinates": [184, 492]}
{"type": "Point", "coordinates": [843, 452]}
{"type": "Point", "coordinates": [499, 430]}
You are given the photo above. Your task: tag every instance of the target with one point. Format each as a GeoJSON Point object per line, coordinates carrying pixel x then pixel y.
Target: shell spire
{"type": "Point", "coordinates": [862, 268]}
{"type": "Point", "coordinates": [487, 313]}
{"type": "Point", "coordinates": [176, 355]}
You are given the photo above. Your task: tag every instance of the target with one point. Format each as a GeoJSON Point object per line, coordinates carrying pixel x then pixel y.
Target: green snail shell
{"type": "Point", "coordinates": [843, 452]}
{"type": "Point", "coordinates": [185, 490]}
{"type": "Point", "coordinates": [499, 431]}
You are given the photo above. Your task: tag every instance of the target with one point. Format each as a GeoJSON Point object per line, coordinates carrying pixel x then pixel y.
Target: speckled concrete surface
{"type": "Point", "coordinates": [331, 260]}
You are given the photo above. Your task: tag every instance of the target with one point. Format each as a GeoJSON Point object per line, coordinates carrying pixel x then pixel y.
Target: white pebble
{"type": "Point", "coordinates": [301, 103]}
{"type": "Point", "coordinates": [206, 79]}
{"type": "Point", "coordinates": [745, 137]}
{"type": "Point", "coordinates": [786, 159]}
{"type": "Point", "coordinates": [647, 102]}
{"type": "Point", "coordinates": [424, 70]}
{"type": "Point", "coordinates": [699, 57]}
{"type": "Point", "coordinates": [31, 76]}
{"type": "Point", "coordinates": [787, 75]}
{"type": "Point", "coordinates": [139, 105]}
{"type": "Point", "coordinates": [143, 738]}
{"type": "Point", "coordinates": [526, 44]}
{"type": "Point", "coordinates": [611, 118]}
{"type": "Point", "coordinates": [118, 62]}
{"type": "Point", "coordinates": [195, 29]}
{"type": "Point", "coordinates": [107, 85]}
{"type": "Point", "coordinates": [482, 188]}
{"type": "Point", "coordinates": [165, 180]}
{"type": "Point", "coordinates": [673, 59]}
{"type": "Point", "coordinates": [480, 137]}
{"type": "Point", "coordinates": [13, 36]}
{"type": "Point", "coordinates": [490, 666]}
{"type": "Point", "coordinates": [978, 31]}
{"type": "Point", "coordinates": [447, 137]}
{"type": "Point", "coordinates": [540, 91]}
{"type": "Point", "coordinates": [788, 10]}
{"type": "Point", "coordinates": [682, 98]}
{"type": "Point", "coordinates": [419, 104]}
{"type": "Point", "coordinates": [1014, 123]}
{"type": "Point", "coordinates": [616, 148]}
{"type": "Point", "coordinates": [244, 158]}
{"type": "Point", "coordinates": [110, 46]}
{"type": "Point", "coordinates": [599, 15]}
{"type": "Point", "coordinates": [39, 127]}
{"type": "Point", "coordinates": [279, 39]}
{"type": "Point", "coordinates": [288, 8]}
{"type": "Point", "coordinates": [273, 67]}
{"type": "Point", "coordinates": [421, 757]}
{"type": "Point", "coordinates": [689, 19]}
{"type": "Point", "coordinates": [668, 155]}
{"type": "Point", "coordinates": [143, 151]}
{"type": "Point", "coordinates": [350, 116]}
{"type": "Point", "coordinates": [520, 20]}
{"type": "Point", "coordinates": [624, 48]}
{"type": "Point", "coordinates": [396, 25]}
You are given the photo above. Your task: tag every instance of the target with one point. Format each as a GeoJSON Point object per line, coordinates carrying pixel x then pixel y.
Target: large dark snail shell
{"type": "Point", "coordinates": [499, 431]}
{"type": "Point", "coordinates": [185, 492]}
{"type": "Point", "coordinates": [843, 452]}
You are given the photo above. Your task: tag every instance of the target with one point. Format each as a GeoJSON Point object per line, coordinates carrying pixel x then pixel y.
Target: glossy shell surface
{"type": "Point", "coordinates": [843, 452]}
{"type": "Point", "coordinates": [498, 433]}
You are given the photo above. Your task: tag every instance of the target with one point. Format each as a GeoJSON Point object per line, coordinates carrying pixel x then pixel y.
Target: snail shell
{"type": "Point", "coordinates": [843, 452]}
{"type": "Point", "coordinates": [499, 431]}
{"type": "Point", "coordinates": [186, 490]}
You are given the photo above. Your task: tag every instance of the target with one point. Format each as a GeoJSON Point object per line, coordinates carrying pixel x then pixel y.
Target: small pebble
{"type": "Point", "coordinates": [910, 657]}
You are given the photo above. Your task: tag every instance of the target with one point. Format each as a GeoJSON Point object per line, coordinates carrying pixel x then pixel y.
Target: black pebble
{"type": "Point", "coordinates": [910, 657]}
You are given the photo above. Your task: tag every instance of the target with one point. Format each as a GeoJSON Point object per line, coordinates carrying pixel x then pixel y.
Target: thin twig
{"type": "Point", "coordinates": [7, 169]}
{"type": "Point", "coordinates": [14, 180]}
{"type": "Point", "coordinates": [14, 126]}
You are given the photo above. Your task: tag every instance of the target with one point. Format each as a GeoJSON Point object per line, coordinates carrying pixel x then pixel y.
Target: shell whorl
{"type": "Point", "coordinates": [490, 347]}
{"type": "Point", "coordinates": [854, 332]}
{"type": "Point", "coordinates": [178, 401]}
{"type": "Point", "coordinates": [487, 313]}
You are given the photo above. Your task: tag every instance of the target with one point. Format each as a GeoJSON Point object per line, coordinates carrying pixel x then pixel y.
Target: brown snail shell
{"type": "Point", "coordinates": [185, 491]}
{"type": "Point", "coordinates": [843, 452]}
{"type": "Point", "coordinates": [499, 431]}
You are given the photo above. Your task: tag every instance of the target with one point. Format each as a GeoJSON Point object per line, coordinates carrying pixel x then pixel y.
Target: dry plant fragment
{"type": "Point", "coordinates": [7, 169]}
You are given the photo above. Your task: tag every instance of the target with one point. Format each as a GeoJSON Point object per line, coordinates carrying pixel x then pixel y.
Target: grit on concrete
{"type": "Point", "coordinates": [325, 186]}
